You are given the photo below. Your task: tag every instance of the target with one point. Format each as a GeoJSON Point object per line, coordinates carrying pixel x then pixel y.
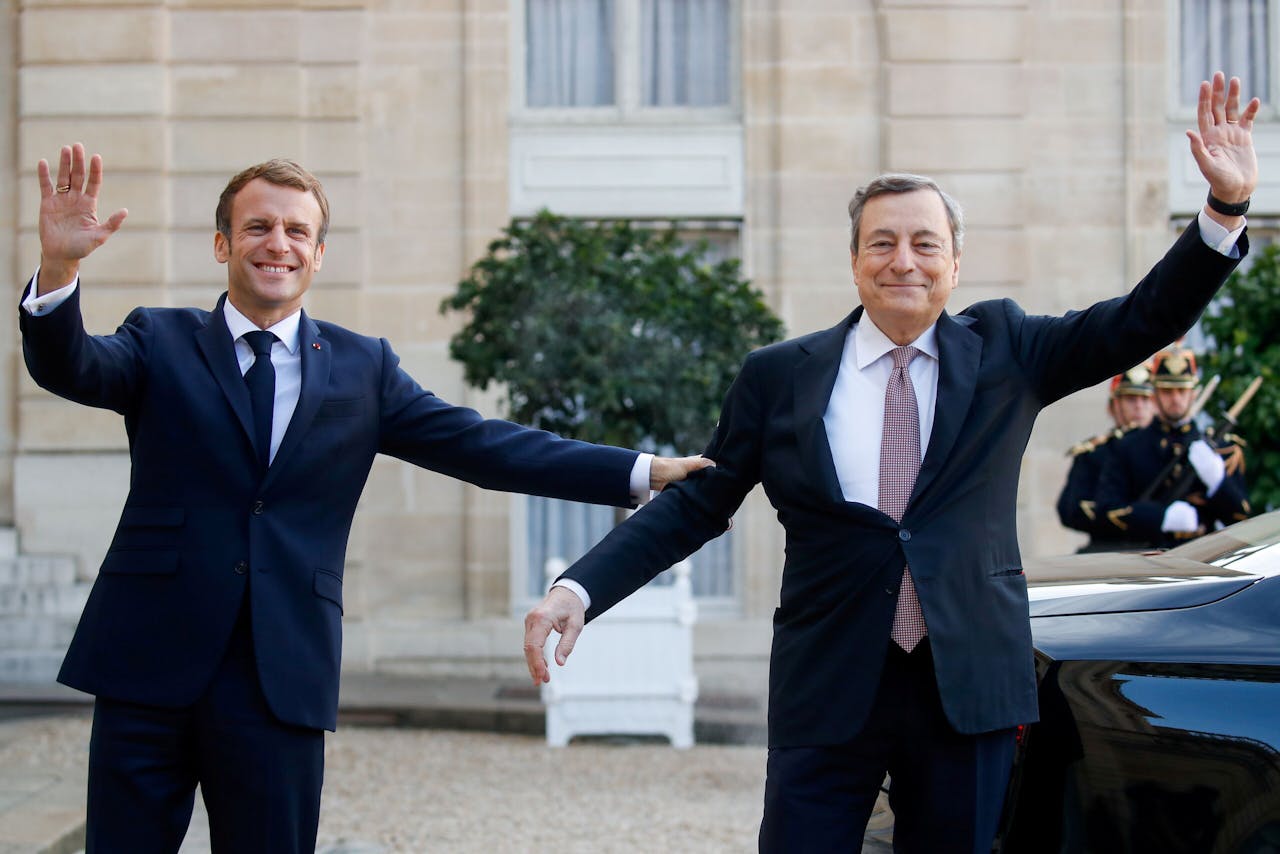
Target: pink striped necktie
{"type": "Point", "coordinates": [899, 465]}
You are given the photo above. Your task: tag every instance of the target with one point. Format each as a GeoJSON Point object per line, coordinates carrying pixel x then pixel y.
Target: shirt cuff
{"type": "Point", "coordinates": [640, 492]}
{"type": "Point", "coordinates": [45, 303]}
{"type": "Point", "coordinates": [576, 588]}
{"type": "Point", "coordinates": [1216, 236]}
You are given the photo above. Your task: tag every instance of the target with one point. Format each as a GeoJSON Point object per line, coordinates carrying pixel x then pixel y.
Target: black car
{"type": "Point", "coordinates": [1159, 680]}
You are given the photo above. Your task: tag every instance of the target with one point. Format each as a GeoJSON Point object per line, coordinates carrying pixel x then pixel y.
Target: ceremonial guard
{"type": "Point", "coordinates": [1130, 406]}
{"type": "Point", "coordinates": [1168, 482]}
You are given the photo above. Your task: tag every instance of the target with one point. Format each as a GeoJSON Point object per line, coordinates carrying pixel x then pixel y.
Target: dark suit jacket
{"type": "Point", "coordinates": [201, 522]}
{"type": "Point", "coordinates": [998, 368]}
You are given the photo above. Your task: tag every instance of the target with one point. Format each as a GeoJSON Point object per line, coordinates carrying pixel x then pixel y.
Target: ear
{"type": "Point", "coordinates": [221, 247]}
{"type": "Point", "coordinates": [319, 257]}
{"type": "Point", "coordinates": [955, 272]}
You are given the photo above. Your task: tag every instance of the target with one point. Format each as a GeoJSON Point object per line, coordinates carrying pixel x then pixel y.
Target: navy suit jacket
{"type": "Point", "coordinates": [998, 367]}
{"type": "Point", "coordinates": [201, 522]}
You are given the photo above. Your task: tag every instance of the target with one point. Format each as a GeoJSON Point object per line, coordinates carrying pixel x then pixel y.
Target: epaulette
{"type": "Point", "coordinates": [1093, 443]}
{"type": "Point", "coordinates": [1234, 439]}
{"type": "Point", "coordinates": [1231, 449]}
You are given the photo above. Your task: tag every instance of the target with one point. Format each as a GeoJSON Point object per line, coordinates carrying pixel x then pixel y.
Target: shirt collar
{"type": "Point", "coordinates": [871, 344]}
{"type": "Point", "coordinates": [286, 330]}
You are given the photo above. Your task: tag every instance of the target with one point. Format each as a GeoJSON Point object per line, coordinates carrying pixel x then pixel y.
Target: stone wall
{"type": "Point", "coordinates": [1046, 120]}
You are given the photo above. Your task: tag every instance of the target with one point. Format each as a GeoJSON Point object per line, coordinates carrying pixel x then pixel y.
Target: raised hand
{"type": "Point", "coordinates": [69, 225]}
{"type": "Point", "coordinates": [1223, 147]}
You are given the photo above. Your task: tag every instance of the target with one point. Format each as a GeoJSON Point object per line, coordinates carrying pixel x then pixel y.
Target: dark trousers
{"type": "Point", "coordinates": [260, 778]}
{"type": "Point", "coordinates": [947, 789]}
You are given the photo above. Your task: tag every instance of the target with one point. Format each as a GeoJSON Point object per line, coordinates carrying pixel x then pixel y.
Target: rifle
{"type": "Point", "coordinates": [1183, 485]}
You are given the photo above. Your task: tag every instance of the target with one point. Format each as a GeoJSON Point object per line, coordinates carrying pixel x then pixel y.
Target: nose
{"type": "Point", "coordinates": [903, 260]}
{"type": "Point", "coordinates": [277, 240]}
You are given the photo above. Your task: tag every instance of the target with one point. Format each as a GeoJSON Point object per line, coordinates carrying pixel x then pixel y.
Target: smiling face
{"type": "Point", "coordinates": [273, 251]}
{"type": "Point", "coordinates": [905, 264]}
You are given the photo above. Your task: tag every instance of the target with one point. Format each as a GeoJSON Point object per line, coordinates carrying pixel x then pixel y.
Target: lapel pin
{"type": "Point", "coordinates": [315, 345]}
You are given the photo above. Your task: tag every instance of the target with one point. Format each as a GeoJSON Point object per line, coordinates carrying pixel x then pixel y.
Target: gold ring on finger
{"type": "Point", "coordinates": [65, 188]}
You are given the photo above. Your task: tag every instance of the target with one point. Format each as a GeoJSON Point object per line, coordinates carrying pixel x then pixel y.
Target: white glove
{"type": "Point", "coordinates": [1180, 518]}
{"type": "Point", "coordinates": [1209, 466]}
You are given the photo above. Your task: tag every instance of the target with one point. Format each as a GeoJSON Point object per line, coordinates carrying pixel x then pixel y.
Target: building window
{"type": "Point", "coordinates": [569, 57]}
{"type": "Point", "coordinates": [630, 55]}
{"type": "Point", "coordinates": [684, 53]}
{"type": "Point", "coordinates": [1233, 36]}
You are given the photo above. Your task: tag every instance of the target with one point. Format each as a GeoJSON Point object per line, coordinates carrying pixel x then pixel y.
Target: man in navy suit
{"type": "Point", "coordinates": [212, 636]}
{"type": "Point", "coordinates": [820, 422]}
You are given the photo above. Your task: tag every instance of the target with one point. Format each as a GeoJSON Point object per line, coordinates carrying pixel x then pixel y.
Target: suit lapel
{"type": "Point", "coordinates": [959, 352]}
{"type": "Point", "coordinates": [316, 357]}
{"type": "Point", "coordinates": [219, 352]}
{"type": "Point", "coordinates": [815, 377]}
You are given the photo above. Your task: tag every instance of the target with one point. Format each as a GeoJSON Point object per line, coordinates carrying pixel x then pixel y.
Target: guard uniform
{"type": "Point", "coordinates": [1147, 470]}
{"type": "Point", "coordinates": [1077, 503]}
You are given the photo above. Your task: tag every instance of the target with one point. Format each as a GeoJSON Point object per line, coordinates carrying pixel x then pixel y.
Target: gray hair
{"type": "Point", "coordinates": [904, 183]}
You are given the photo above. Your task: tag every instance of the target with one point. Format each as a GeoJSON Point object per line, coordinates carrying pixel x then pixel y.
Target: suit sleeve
{"type": "Point", "coordinates": [1083, 348]}
{"type": "Point", "coordinates": [105, 371]}
{"type": "Point", "coordinates": [420, 428]}
{"type": "Point", "coordinates": [686, 515]}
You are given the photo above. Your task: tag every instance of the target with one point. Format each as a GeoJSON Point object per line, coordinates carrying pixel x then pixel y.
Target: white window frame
{"type": "Point", "coordinates": [626, 109]}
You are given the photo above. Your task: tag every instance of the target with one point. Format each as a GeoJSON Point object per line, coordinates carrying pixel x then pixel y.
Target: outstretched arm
{"type": "Point", "coordinates": [69, 225]}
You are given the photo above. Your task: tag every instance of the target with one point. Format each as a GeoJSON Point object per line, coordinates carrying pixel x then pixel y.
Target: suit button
{"type": "Point", "coordinates": [241, 567]}
{"type": "Point", "coordinates": [890, 591]}
{"type": "Point", "coordinates": [258, 507]}
{"type": "Point", "coordinates": [904, 535]}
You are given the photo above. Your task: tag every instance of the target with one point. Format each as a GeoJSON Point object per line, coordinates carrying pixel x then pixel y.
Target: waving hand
{"type": "Point", "coordinates": [1223, 145]}
{"type": "Point", "coordinates": [69, 225]}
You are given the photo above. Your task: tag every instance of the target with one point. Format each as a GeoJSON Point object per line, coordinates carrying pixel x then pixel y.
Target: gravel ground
{"type": "Point", "coordinates": [398, 790]}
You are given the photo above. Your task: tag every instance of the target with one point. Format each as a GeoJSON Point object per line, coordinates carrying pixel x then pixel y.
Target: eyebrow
{"type": "Point", "coordinates": [289, 223]}
{"type": "Point", "coordinates": [924, 232]}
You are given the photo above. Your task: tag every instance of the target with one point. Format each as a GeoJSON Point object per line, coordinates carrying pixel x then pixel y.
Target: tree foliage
{"type": "Point", "coordinates": [1244, 324]}
{"type": "Point", "coordinates": [607, 332]}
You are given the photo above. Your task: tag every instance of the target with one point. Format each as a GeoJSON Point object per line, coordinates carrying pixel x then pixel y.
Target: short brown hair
{"type": "Point", "coordinates": [904, 182]}
{"type": "Point", "coordinates": [283, 173]}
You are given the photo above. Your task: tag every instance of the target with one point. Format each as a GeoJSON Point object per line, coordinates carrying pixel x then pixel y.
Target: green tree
{"type": "Point", "coordinates": [1244, 324]}
{"type": "Point", "coordinates": [608, 332]}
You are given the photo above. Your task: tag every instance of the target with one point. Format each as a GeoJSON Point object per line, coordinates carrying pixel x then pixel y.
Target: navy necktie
{"type": "Point", "coordinates": [261, 379]}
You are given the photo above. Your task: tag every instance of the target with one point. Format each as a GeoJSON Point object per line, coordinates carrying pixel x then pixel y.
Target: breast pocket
{"type": "Point", "coordinates": [341, 407]}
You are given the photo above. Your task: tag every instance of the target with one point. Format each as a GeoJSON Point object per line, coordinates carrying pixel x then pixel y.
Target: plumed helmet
{"type": "Point", "coordinates": [1175, 367]}
{"type": "Point", "coordinates": [1135, 381]}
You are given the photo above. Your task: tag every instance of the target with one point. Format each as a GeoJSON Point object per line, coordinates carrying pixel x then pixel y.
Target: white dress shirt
{"type": "Point", "coordinates": [285, 358]}
{"type": "Point", "coordinates": [855, 414]}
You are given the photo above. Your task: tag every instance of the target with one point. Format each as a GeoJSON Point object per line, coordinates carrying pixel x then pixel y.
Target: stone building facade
{"type": "Point", "coordinates": [1058, 125]}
